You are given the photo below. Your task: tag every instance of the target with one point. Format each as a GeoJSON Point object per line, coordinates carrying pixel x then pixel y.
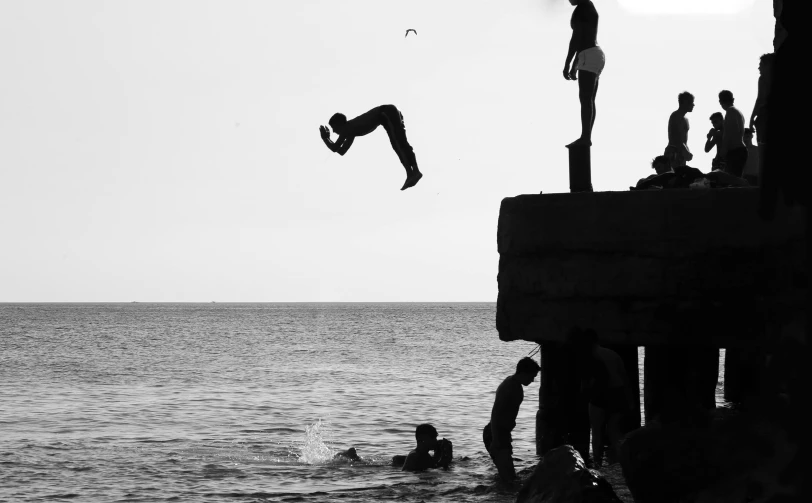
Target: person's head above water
{"type": "Point", "coordinates": [717, 119]}
{"type": "Point", "coordinates": [426, 434]}
{"type": "Point", "coordinates": [726, 99]}
{"type": "Point", "coordinates": [661, 164]}
{"type": "Point", "coordinates": [526, 370]}
{"type": "Point", "coordinates": [337, 122]}
{"type": "Point", "coordinates": [686, 101]}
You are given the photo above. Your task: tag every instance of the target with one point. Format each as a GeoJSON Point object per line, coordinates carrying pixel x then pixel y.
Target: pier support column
{"type": "Point", "coordinates": [562, 416]}
{"type": "Point", "coordinates": [628, 354]}
{"type": "Point", "coordinates": [677, 377]}
{"type": "Point", "coordinates": [743, 373]}
{"type": "Point", "coordinates": [580, 169]}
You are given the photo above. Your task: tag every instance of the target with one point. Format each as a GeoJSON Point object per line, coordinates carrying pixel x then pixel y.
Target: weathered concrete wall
{"type": "Point", "coordinates": [647, 267]}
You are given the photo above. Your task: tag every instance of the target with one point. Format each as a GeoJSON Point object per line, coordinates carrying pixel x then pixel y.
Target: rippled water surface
{"type": "Point", "coordinates": [248, 402]}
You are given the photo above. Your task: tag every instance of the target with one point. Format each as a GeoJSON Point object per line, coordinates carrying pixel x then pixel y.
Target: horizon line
{"type": "Point", "coordinates": [261, 302]}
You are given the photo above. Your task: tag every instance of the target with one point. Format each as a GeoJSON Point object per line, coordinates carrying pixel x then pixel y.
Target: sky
{"type": "Point", "coordinates": [168, 150]}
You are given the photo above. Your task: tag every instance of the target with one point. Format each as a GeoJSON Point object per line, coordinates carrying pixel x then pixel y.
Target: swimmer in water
{"type": "Point", "coordinates": [349, 454]}
{"type": "Point", "coordinates": [387, 116]}
{"type": "Point", "coordinates": [419, 459]}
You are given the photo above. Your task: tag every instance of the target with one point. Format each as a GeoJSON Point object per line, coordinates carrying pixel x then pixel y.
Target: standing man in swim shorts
{"type": "Point", "coordinates": [758, 119]}
{"type": "Point", "coordinates": [496, 434]}
{"type": "Point", "coordinates": [732, 149]}
{"type": "Point", "coordinates": [588, 61]}
{"type": "Point", "coordinates": [387, 116]}
{"type": "Point", "coordinates": [677, 149]}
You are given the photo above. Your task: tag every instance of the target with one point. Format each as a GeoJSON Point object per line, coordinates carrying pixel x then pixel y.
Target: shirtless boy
{"type": "Point", "coordinates": [733, 149]}
{"type": "Point", "coordinates": [387, 116]}
{"type": "Point", "coordinates": [419, 458]}
{"type": "Point", "coordinates": [678, 127]}
{"type": "Point", "coordinates": [714, 138]}
{"type": "Point", "coordinates": [497, 434]}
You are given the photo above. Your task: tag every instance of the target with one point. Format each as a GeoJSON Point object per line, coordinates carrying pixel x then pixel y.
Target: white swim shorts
{"type": "Point", "coordinates": [591, 60]}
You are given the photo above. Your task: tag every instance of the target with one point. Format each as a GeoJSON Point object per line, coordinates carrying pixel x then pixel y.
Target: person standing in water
{"type": "Point", "coordinates": [419, 458]}
{"type": "Point", "coordinates": [606, 384]}
{"type": "Point", "coordinates": [387, 116]}
{"type": "Point", "coordinates": [496, 434]}
{"type": "Point", "coordinates": [587, 60]}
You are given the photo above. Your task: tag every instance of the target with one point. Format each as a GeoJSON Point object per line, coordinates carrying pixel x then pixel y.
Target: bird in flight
{"type": "Point", "coordinates": [410, 29]}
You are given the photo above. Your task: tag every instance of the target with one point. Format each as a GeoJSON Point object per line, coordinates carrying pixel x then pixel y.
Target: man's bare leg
{"type": "Point", "coordinates": [597, 418]}
{"type": "Point", "coordinates": [413, 175]}
{"type": "Point", "coordinates": [587, 90]}
{"type": "Point", "coordinates": [503, 460]}
{"type": "Point", "coordinates": [594, 107]}
{"type": "Point", "coordinates": [613, 430]}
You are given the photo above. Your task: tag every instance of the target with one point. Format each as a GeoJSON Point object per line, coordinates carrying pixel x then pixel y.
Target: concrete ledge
{"type": "Point", "coordinates": [671, 267]}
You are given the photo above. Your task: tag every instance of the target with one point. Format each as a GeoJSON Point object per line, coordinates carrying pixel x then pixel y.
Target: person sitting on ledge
{"type": "Point", "coordinates": [419, 458]}
{"type": "Point", "coordinates": [387, 116]}
{"type": "Point", "coordinates": [661, 165]}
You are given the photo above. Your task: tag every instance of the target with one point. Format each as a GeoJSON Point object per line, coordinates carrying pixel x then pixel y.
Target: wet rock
{"type": "Point", "coordinates": [562, 477]}
{"type": "Point", "coordinates": [733, 458]}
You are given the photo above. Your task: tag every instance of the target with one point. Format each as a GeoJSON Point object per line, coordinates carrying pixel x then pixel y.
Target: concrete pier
{"type": "Point", "coordinates": [743, 373]}
{"type": "Point", "coordinates": [562, 417]}
{"type": "Point", "coordinates": [681, 272]}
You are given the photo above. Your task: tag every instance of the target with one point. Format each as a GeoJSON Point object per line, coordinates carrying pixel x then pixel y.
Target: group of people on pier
{"type": "Point", "coordinates": [729, 134]}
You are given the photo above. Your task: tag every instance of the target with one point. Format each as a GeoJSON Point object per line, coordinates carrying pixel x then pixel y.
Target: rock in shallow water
{"type": "Point", "coordinates": [562, 477]}
{"type": "Point", "coordinates": [737, 457]}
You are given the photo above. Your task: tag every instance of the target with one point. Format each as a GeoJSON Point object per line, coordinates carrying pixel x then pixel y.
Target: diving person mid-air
{"type": "Point", "coordinates": [588, 62]}
{"type": "Point", "coordinates": [387, 116]}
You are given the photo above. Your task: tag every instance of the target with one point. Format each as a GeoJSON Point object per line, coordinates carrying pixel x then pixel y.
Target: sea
{"type": "Point", "coordinates": [143, 402]}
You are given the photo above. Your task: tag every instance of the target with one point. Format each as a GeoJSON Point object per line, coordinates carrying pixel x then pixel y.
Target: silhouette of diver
{"type": "Point", "coordinates": [588, 61]}
{"type": "Point", "coordinates": [387, 116]}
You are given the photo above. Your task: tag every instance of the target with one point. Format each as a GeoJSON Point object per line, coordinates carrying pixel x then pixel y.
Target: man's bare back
{"type": "Point", "coordinates": [733, 133]}
{"type": "Point", "coordinates": [387, 116]}
{"type": "Point", "coordinates": [364, 124]}
{"type": "Point", "coordinates": [678, 129]}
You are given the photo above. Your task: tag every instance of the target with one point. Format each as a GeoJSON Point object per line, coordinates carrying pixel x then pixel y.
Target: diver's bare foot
{"type": "Point", "coordinates": [580, 142]}
{"type": "Point", "coordinates": [412, 180]}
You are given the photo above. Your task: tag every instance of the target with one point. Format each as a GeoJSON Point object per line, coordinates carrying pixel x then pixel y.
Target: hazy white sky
{"type": "Point", "coordinates": [168, 150]}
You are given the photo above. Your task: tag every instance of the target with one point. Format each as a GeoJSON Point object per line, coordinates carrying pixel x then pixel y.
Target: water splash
{"type": "Point", "coordinates": [315, 449]}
